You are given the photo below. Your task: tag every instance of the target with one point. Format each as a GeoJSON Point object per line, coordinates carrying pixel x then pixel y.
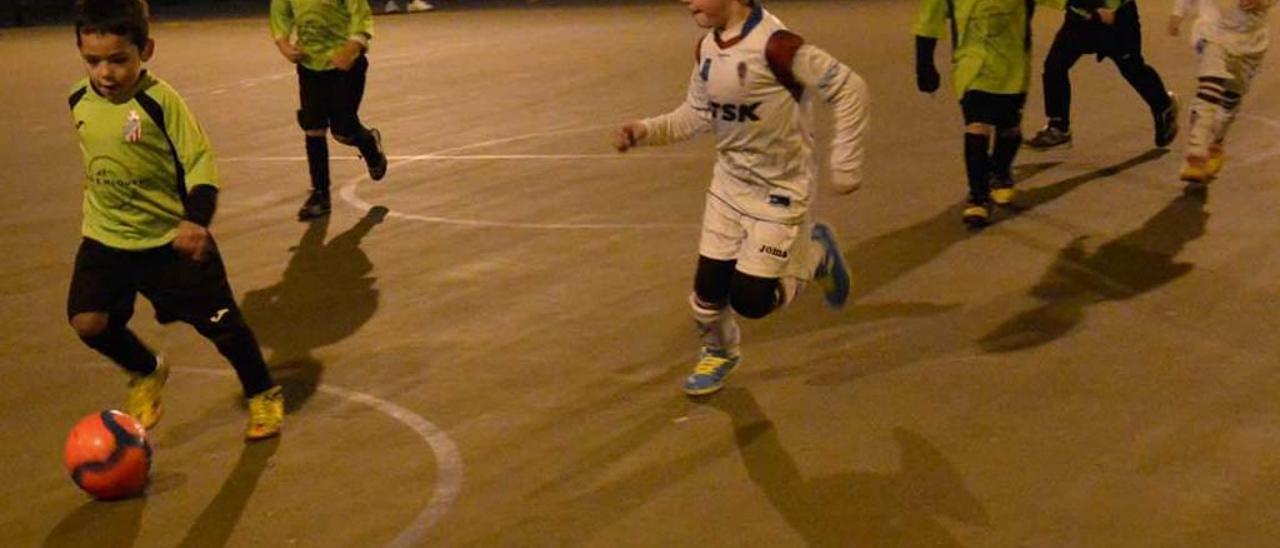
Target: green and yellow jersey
{"type": "Point", "coordinates": [141, 156]}
{"type": "Point", "coordinates": [990, 41]}
{"type": "Point", "coordinates": [322, 27]}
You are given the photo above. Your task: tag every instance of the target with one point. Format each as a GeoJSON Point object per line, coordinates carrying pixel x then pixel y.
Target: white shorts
{"type": "Point", "coordinates": [764, 249]}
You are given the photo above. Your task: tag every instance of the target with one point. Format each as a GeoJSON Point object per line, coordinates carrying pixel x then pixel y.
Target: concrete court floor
{"type": "Point", "coordinates": [1096, 370]}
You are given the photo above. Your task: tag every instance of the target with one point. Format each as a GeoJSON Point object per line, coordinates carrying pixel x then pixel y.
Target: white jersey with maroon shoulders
{"type": "Point", "coordinates": [754, 92]}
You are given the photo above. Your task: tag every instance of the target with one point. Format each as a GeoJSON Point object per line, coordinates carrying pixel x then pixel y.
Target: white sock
{"type": "Point", "coordinates": [718, 328]}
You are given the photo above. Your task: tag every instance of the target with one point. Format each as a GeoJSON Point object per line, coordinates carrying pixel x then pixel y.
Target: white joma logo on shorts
{"type": "Point", "coordinates": [218, 317]}
{"type": "Point", "coordinates": [779, 253]}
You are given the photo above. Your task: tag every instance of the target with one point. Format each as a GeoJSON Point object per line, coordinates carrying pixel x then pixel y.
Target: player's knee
{"type": "Point", "coordinates": [90, 324]}
{"type": "Point", "coordinates": [711, 282]}
{"type": "Point", "coordinates": [753, 297]}
{"type": "Point", "coordinates": [1011, 132]}
{"type": "Point", "coordinates": [312, 123]}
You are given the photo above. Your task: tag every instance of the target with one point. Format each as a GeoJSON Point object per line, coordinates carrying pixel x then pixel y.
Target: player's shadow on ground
{"type": "Point", "coordinates": [854, 508]}
{"type": "Point", "coordinates": [881, 260]}
{"type": "Point", "coordinates": [578, 504]}
{"type": "Point", "coordinates": [215, 524]}
{"type": "Point", "coordinates": [1133, 264]}
{"type": "Point", "coordinates": [99, 524]}
{"type": "Point", "coordinates": [326, 296]}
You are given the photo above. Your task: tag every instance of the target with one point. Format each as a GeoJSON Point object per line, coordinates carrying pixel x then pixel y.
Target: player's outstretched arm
{"type": "Point", "coordinates": [846, 92]}
{"type": "Point", "coordinates": [686, 121]}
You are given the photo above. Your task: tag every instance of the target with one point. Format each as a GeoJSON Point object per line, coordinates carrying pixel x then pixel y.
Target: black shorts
{"type": "Point", "coordinates": [1003, 110]}
{"type": "Point", "coordinates": [1079, 36]}
{"type": "Point", "coordinates": [108, 280]}
{"type": "Point", "coordinates": [331, 98]}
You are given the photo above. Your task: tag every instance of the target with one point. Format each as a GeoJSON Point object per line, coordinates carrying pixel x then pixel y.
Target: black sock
{"type": "Point", "coordinates": [1006, 149]}
{"type": "Point", "coordinates": [1061, 124]}
{"type": "Point", "coordinates": [977, 165]}
{"type": "Point", "coordinates": [240, 347]}
{"type": "Point", "coordinates": [366, 144]}
{"type": "Point", "coordinates": [318, 161]}
{"type": "Point", "coordinates": [123, 347]}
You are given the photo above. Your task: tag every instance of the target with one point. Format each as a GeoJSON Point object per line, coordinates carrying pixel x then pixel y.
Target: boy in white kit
{"type": "Point", "coordinates": [752, 86]}
{"type": "Point", "coordinates": [1230, 37]}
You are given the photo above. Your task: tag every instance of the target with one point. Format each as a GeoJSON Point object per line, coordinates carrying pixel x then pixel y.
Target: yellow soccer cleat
{"type": "Point", "coordinates": [266, 414]}
{"type": "Point", "coordinates": [1195, 170]}
{"type": "Point", "coordinates": [1213, 164]}
{"type": "Point", "coordinates": [1003, 196]}
{"type": "Point", "coordinates": [143, 402]}
{"type": "Point", "coordinates": [976, 215]}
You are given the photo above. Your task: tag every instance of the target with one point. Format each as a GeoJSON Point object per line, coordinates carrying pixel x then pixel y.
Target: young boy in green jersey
{"type": "Point", "coordinates": [990, 69]}
{"type": "Point", "coordinates": [327, 39]}
{"type": "Point", "coordinates": [151, 189]}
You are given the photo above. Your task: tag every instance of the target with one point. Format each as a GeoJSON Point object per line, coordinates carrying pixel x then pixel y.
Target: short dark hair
{"type": "Point", "coordinates": [126, 18]}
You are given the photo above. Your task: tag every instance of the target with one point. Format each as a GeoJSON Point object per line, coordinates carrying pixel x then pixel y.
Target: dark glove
{"type": "Point", "coordinates": [927, 78]}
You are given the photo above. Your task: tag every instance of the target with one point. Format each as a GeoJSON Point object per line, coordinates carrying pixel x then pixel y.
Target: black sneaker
{"type": "Point", "coordinates": [1048, 138]}
{"type": "Point", "coordinates": [317, 205]}
{"type": "Point", "coordinates": [1167, 122]}
{"type": "Point", "coordinates": [377, 162]}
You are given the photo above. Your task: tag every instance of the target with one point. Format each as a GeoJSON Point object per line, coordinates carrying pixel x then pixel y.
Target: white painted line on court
{"type": "Point", "coordinates": [348, 190]}
{"type": "Point", "coordinates": [449, 467]}
{"type": "Point", "coordinates": [465, 157]}
{"type": "Point", "coordinates": [348, 194]}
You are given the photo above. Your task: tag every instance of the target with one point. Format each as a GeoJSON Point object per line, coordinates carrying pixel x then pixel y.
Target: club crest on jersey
{"type": "Point", "coordinates": [742, 74]}
{"type": "Point", "coordinates": [133, 127]}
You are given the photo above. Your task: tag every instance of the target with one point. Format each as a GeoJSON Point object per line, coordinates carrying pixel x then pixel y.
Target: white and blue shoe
{"type": "Point", "coordinates": [708, 376]}
{"type": "Point", "coordinates": [832, 273]}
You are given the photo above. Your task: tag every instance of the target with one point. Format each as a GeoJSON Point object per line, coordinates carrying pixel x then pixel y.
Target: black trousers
{"type": "Point", "coordinates": [1121, 42]}
{"type": "Point", "coordinates": [330, 99]}
{"type": "Point", "coordinates": [107, 279]}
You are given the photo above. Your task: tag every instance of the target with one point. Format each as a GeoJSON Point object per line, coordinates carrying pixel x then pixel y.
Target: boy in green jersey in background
{"type": "Point", "coordinates": [150, 194]}
{"type": "Point", "coordinates": [990, 68]}
{"type": "Point", "coordinates": [327, 39]}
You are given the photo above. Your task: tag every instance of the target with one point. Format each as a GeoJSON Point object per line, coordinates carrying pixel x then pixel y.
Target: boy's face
{"type": "Point", "coordinates": [710, 13]}
{"type": "Point", "coordinates": [113, 62]}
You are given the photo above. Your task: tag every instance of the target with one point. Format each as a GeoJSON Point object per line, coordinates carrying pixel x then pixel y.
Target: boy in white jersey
{"type": "Point", "coordinates": [752, 86]}
{"type": "Point", "coordinates": [1230, 37]}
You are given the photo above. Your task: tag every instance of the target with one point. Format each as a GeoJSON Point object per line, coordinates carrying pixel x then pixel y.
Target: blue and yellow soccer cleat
{"type": "Point", "coordinates": [143, 402]}
{"type": "Point", "coordinates": [832, 273]}
{"type": "Point", "coordinates": [708, 376]}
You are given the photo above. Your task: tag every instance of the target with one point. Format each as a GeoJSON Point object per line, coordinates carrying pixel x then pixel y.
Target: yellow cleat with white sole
{"type": "Point", "coordinates": [266, 414]}
{"type": "Point", "coordinates": [144, 402]}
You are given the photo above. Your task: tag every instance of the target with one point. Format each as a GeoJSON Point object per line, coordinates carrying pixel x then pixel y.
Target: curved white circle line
{"type": "Point", "coordinates": [449, 467]}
